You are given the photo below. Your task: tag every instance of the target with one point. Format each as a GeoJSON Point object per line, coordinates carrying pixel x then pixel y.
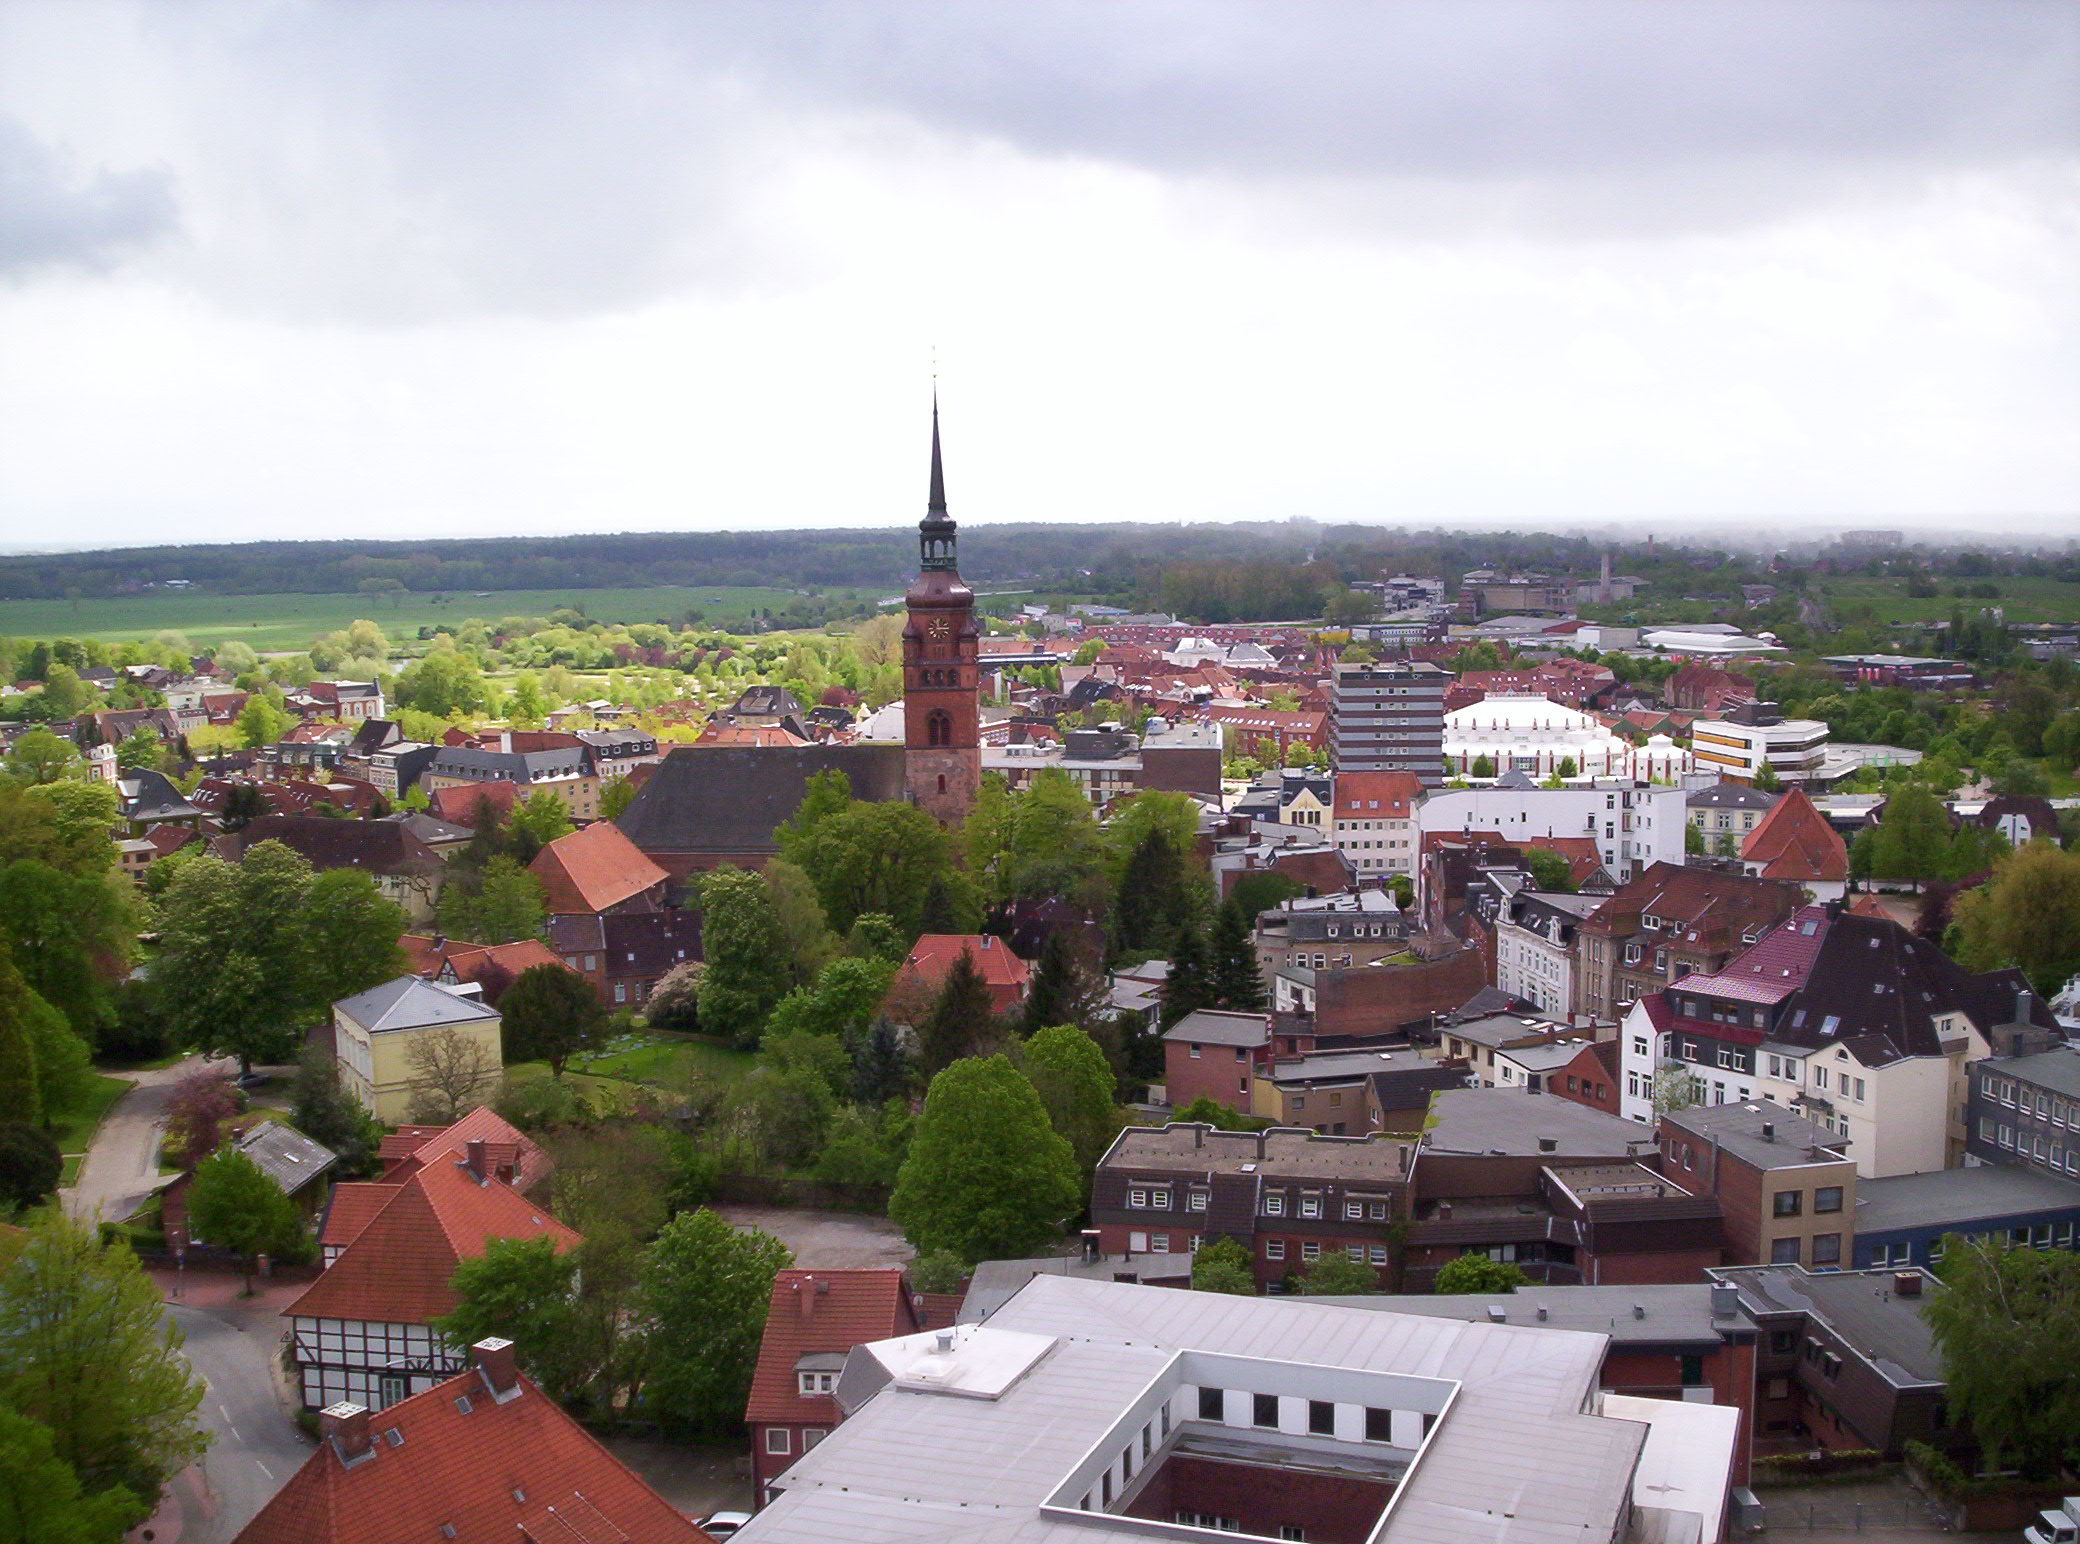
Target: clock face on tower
{"type": "Point", "coordinates": [939, 627]}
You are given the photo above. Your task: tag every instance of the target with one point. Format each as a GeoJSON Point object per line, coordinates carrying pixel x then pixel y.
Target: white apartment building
{"type": "Point", "coordinates": [1373, 821]}
{"type": "Point", "coordinates": [1740, 746]}
{"type": "Point", "coordinates": [1633, 824]}
{"type": "Point", "coordinates": [1534, 948]}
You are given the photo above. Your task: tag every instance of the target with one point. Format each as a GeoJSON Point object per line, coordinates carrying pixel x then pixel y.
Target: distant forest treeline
{"type": "Point", "coordinates": [1120, 560]}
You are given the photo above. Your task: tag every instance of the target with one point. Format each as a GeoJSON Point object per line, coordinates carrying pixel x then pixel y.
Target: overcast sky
{"type": "Point", "coordinates": [308, 269]}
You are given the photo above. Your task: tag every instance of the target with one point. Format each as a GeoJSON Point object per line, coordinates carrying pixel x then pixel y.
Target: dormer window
{"type": "Point", "coordinates": [812, 1383]}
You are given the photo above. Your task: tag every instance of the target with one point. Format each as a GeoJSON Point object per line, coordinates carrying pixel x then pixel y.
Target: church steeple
{"type": "Point", "coordinates": [935, 531]}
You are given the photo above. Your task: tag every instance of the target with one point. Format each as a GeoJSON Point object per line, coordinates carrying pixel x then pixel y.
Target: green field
{"type": "Point", "coordinates": [274, 622]}
{"type": "Point", "coordinates": [2022, 600]}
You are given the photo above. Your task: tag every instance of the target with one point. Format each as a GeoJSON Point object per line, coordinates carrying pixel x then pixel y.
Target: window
{"type": "Point", "coordinates": [1196, 1201]}
{"type": "Point", "coordinates": [1263, 1410]}
{"type": "Point", "coordinates": [1274, 1249]}
{"type": "Point", "coordinates": [1274, 1205]}
{"type": "Point", "coordinates": [1378, 1254]}
{"type": "Point", "coordinates": [814, 1382]}
{"type": "Point", "coordinates": [810, 1437]}
{"type": "Point", "coordinates": [1310, 1206]}
{"type": "Point", "coordinates": [1379, 1210]}
{"type": "Point", "coordinates": [1827, 1249]}
{"type": "Point", "coordinates": [1783, 1251]}
{"type": "Point", "coordinates": [1780, 1342]}
{"type": "Point", "coordinates": [1159, 1199]}
{"type": "Point", "coordinates": [1828, 1198]}
{"type": "Point", "coordinates": [1379, 1424]}
{"type": "Point", "coordinates": [1138, 1199]}
{"type": "Point", "coordinates": [1354, 1210]}
{"type": "Point", "coordinates": [1820, 1077]}
{"type": "Point", "coordinates": [779, 1440]}
{"type": "Point", "coordinates": [1787, 1203]}
{"type": "Point", "coordinates": [1321, 1418]}
{"type": "Point", "coordinates": [1310, 1249]}
{"type": "Point", "coordinates": [1212, 1404]}
{"type": "Point", "coordinates": [389, 1390]}
{"type": "Point", "coordinates": [1195, 1050]}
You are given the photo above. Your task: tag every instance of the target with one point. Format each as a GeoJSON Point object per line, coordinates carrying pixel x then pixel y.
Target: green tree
{"type": "Point", "coordinates": [1912, 839]}
{"type": "Point", "coordinates": [2027, 915]}
{"type": "Point", "coordinates": [703, 1291]}
{"type": "Point", "coordinates": [807, 942]}
{"type": "Point", "coordinates": [1063, 989]}
{"type": "Point", "coordinates": [538, 822]}
{"type": "Point", "coordinates": [551, 1014]}
{"type": "Point", "coordinates": [2008, 1328]}
{"type": "Point", "coordinates": [232, 958]}
{"type": "Point", "coordinates": [1237, 982]}
{"type": "Point", "coordinates": [140, 748]}
{"type": "Point", "coordinates": [30, 1165]}
{"type": "Point", "coordinates": [1150, 897]}
{"type": "Point", "coordinates": [64, 694]}
{"type": "Point", "coordinates": [1190, 985]}
{"type": "Point", "coordinates": [261, 722]}
{"type": "Point", "coordinates": [86, 1351]}
{"type": "Point", "coordinates": [525, 1290]}
{"type": "Point", "coordinates": [1206, 1111]}
{"type": "Point", "coordinates": [1766, 779]}
{"type": "Point", "coordinates": [1223, 1265]}
{"type": "Point", "coordinates": [959, 1020]}
{"type": "Point", "coordinates": [868, 858]}
{"type": "Point", "coordinates": [21, 1092]}
{"type": "Point", "coordinates": [615, 796]}
{"type": "Point", "coordinates": [65, 930]}
{"type": "Point", "coordinates": [233, 1204]}
{"type": "Point", "coordinates": [1337, 1274]}
{"type": "Point", "coordinates": [844, 999]}
{"type": "Point", "coordinates": [350, 935]}
{"type": "Point", "coordinates": [1549, 870]}
{"type": "Point", "coordinates": [1069, 1072]}
{"type": "Point", "coordinates": [875, 936]}
{"type": "Point", "coordinates": [40, 1497]}
{"type": "Point", "coordinates": [986, 1176]}
{"type": "Point", "coordinates": [1478, 1273]}
{"type": "Point", "coordinates": [504, 905]}
{"type": "Point", "coordinates": [38, 756]}
{"type": "Point", "coordinates": [747, 970]}
{"type": "Point", "coordinates": [324, 1111]}
{"type": "Point", "coordinates": [882, 1066]}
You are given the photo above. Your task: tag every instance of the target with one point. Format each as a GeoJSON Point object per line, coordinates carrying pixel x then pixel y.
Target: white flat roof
{"type": "Point", "coordinates": [1683, 1467]}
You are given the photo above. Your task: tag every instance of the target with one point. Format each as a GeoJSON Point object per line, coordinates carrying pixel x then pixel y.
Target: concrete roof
{"type": "Point", "coordinates": [1283, 1152]}
{"type": "Point", "coordinates": [1738, 1128]}
{"type": "Point", "coordinates": [1511, 1459]}
{"type": "Point", "coordinates": [1511, 1122]}
{"type": "Point", "coordinates": [2057, 1069]}
{"type": "Point", "coordinates": [1679, 1313]}
{"type": "Point", "coordinates": [996, 1282]}
{"type": "Point", "coordinates": [1497, 1028]}
{"type": "Point", "coordinates": [1215, 1026]}
{"type": "Point", "coordinates": [1962, 1196]}
{"type": "Point", "coordinates": [1860, 1307]}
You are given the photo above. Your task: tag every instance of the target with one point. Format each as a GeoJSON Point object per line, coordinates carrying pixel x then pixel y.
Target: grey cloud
{"type": "Point", "coordinates": [51, 217]}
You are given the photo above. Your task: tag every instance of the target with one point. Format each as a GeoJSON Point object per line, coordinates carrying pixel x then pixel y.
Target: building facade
{"type": "Point", "coordinates": [942, 733]}
{"type": "Point", "coordinates": [1388, 716]}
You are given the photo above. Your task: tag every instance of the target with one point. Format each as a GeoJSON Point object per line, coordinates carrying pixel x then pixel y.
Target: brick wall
{"type": "Point", "coordinates": [1332, 1509]}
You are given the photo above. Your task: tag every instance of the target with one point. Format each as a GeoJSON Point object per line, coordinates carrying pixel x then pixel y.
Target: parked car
{"type": "Point", "coordinates": [720, 1525]}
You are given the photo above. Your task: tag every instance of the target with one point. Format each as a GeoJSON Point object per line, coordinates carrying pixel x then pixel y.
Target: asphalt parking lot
{"type": "Point", "coordinates": [834, 1241]}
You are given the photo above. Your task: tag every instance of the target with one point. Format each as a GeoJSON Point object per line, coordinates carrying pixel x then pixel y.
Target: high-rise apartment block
{"type": "Point", "coordinates": [1389, 717]}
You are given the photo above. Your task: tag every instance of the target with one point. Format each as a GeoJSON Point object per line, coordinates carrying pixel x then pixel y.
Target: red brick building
{"type": "Point", "coordinates": [597, 870]}
{"type": "Point", "coordinates": [813, 1321]}
{"type": "Point", "coordinates": [924, 970]}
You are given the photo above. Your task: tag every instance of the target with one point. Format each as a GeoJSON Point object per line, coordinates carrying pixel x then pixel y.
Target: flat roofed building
{"type": "Point", "coordinates": [1904, 1220]}
{"type": "Point", "coordinates": [1085, 1411]}
{"type": "Point", "coordinates": [1389, 717]}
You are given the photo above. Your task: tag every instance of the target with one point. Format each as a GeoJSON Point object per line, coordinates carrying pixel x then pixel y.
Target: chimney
{"type": "Point", "coordinates": [1906, 1283]}
{"type": "Point", "coordinates": [345, 1425]}
{"type": "Point", "coordinates": [805, 1297]}
{"type": "Point", "coordinates": [1639, 1310]}
{"type": "Point", "coordinates": [1549, 1144]}
{"type": "Point", "coordinates": [1726, 1299]}
{"type": "Point", "coordinates": [1542, 1313]}
{"type": "Point", "coordinates": [1444, 1211]}
{"type": "Point", "coordinates": [1497, 1314]}
{"type": "Point", "coordinates": [944, 1342]}
{"type": "Point", "coordinates": [474, 1162]}
{"type": "Point", "coordinates": [496, 1362]}
{"type": "Point", "coordinates": [1769, 1131]}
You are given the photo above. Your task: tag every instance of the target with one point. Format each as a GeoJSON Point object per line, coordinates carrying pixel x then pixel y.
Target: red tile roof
{"type": "Point", "coordinates": [821, 1311]}
{"type": "Point", "coordinates": [395, 1269]}
{"type": "Point", "coordinates": [593, 870]}
{"type": "Point", "coordinates": [504, 1143]}
{"type": "Point", "coordinates": [924, 971]}
{"type": "Point", "coordinates": [458, 805]}
{"type": "Point", "coordinates": [352, 1207]}
{"type": "Point", "coordinates": [1376, 795]}
{"type": "Point", "coordinates": [1794, 841]}
{"type": "Point", "coordinates": [512, 1469]}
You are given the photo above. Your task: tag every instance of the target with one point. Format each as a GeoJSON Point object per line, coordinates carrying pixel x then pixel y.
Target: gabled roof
{"type": "Point", "coordinates": [934, 954]}
{"type": "Point", "coordinates": [505, 1144]}
{"type": "Point", "coordinates": [1794, 841]}
{"type": "Point", "coordinates": [821, 1313]}
{"type": "Point", "coordinates": [396, 1268]}
{"type": "Point", "coordinates": [373, 846]}
{"type": "Point", "coordinates": [409, 1003]}
{"type": "Point", "coordinates": [1376, 795]}
{"type": "Point", "coordinates": [285, 1155]}
{"type": "Point", "coordinates": [353, 1207]}
{"type": "Point", "coordinates": [510, 1467]}
{"type": "Point", "coordinates": [458, 805]}
{"type": "Point", "coordinates": [720, 799]}
{"type": "Point", "coordinates": [593, 870]}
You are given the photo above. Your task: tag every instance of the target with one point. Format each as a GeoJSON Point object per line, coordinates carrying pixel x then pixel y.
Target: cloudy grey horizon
{"type": "Point", "coordinates": [454, 268]}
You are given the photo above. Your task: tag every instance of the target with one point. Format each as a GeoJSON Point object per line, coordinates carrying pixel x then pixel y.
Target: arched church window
{"type": "Point", "coordinates": [939, 729]}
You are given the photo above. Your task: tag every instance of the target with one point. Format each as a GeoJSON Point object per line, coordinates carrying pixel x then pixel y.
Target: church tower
{"type": "Point", "coordinates": [942, 731]}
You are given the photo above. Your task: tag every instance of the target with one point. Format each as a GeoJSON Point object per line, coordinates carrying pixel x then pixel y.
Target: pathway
{"type": "Point", "coordinates": [121, 1169]}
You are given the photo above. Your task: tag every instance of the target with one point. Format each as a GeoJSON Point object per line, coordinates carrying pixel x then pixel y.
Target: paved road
{"type": "Point", "coordinates": [255, 1447]}
{"type": "Point", "coordinates": [121, 1168]}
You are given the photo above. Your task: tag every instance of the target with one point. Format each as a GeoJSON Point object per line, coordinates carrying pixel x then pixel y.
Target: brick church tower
{"type": "Point", "coordinates": [942, 732]}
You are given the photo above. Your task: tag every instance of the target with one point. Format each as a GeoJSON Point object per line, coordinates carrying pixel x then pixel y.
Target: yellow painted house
{"type": "Point", "coordinates": [374, 1033]}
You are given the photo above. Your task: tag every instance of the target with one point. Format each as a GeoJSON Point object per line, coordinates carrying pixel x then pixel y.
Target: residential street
{"type": "Point", "coordinates": [122, 1164]}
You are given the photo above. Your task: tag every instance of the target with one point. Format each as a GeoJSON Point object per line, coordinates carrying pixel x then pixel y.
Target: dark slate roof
{"type": "Point", "coordinates": [777, 701]}
{"type": "Point", "coordinates": [649, 943]}
{"type": "Point", "coordinates": [729, 798]}
{"type": "Point", "coordinates": [1730, 796]}
{"type": "Point", "coordinates": [374, 846]}
{"type": "Point", "coordinates": [520, 767]}
{"type": "Point", "coordinates": [288, 1157]}
{"type": "Point", "coordinates": [149, 795]}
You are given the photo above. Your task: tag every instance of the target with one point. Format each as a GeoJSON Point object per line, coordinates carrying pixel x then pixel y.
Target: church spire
{"type": "Point", "coordinates": [935, 531]}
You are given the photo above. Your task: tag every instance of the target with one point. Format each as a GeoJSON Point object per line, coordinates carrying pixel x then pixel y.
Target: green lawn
{"type": "Point", "coordinates": [2022, 600]}
{"type": "Point", "coordinates": [73, 1128]}
{"type": "Point", "coordinates": [670, 1060]}
{"type": "Point", "coordinates": [292, 621]}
